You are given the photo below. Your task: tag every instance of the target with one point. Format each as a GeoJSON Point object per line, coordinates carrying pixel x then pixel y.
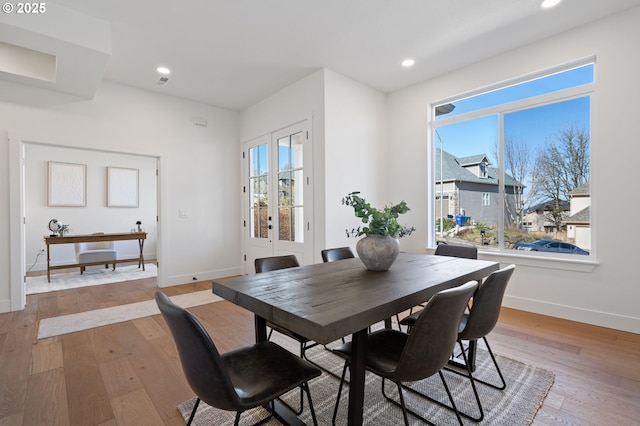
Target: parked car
{"type": "Point", "coordinates": [550, 246]}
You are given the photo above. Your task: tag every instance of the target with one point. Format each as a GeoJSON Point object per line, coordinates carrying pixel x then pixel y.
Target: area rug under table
{"type": "Point", "coordinates": [517, 405]}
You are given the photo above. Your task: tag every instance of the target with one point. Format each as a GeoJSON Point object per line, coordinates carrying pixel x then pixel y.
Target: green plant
{"type": "Point", "coordinates": [379, 222]}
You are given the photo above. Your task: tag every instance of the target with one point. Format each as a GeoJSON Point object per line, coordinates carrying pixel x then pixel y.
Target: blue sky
{"type": "Point", "coordinates": [533, 126]}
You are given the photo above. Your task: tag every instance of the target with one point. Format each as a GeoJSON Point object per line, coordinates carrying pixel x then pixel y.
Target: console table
{"type": "Point", "coordinates": [92, 238]}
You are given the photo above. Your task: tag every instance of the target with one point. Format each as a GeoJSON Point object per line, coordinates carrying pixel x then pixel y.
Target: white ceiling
{"type": "Point", "coordinates": [233, 53]}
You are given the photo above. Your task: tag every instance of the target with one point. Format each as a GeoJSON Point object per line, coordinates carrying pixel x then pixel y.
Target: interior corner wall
{"type": "Point", "coordinates": [299, 101]}
{"type": "Point", "coordinates": [202, 242]}
{"type": "Point", "coordinates": [608, 295]}
{"type": "Point", "coordinates": [356, 144]}
{"type": "Point", "coordinates": [95, 216]}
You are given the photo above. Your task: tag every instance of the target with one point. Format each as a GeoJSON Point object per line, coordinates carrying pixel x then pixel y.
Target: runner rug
{"type": "Point", "coordinates": [527, 387]}
{"type": "Point", "coordinates": [55, 326]}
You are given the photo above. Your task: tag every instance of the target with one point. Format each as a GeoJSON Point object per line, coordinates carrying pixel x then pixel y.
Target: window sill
{"type": "Point", "coordinates": [541, 261]}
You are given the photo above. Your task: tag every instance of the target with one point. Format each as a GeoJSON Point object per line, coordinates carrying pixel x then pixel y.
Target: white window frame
{"type": "Point", "coordinates": [558, 260]}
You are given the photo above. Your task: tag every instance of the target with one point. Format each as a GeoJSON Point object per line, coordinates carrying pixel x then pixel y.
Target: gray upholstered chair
{"type": "Point", "coordinates": [96, 253]}
{"type": "Point", "coordinates": [452, 250]}
{"type": "Point", "coordinates": [479, 322]}
{"type": "Point", "coordinates": [402, 357]}
{"type": "Point", "coordinates": [338, 253]}
{"type": "Point", "coordinates": [274, 263]}
{"type": "Point", "coordinates": [239, 380]}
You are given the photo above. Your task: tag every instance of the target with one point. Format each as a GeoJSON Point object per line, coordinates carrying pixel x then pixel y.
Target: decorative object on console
{"type": "Point", "coordinates": [380, 247]}
{"type": "Point", "coordinates": [54, 227]}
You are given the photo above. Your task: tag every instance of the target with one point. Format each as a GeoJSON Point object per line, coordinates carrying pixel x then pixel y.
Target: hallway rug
{"type": "Point", "coordinates": [55, 326]}
{"type": "Point", "coordinates": [92, 276]}
{"type": "Point", "coordinates": [517, 405]}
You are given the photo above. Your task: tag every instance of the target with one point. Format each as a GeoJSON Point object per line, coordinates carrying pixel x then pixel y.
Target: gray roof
{"type": "Point", "coordinates": [581, 190]}
{"type": "Point", "coordinates": [548, 206]}
{"type": "Point", "coordinates": [453, 170]}
{"type": "Point", "coordinates": [583, 216]}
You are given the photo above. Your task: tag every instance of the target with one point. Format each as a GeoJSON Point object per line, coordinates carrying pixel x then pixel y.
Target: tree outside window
{"type": "Point", "coordinates": [528, 147]}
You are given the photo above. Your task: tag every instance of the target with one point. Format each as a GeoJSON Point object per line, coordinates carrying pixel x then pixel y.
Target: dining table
{"type": "Point", "coordinates": [327, 301]}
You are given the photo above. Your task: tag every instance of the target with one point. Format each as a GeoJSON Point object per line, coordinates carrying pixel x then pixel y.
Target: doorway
{"type": "Point", "coordinates": [31, 214]}
{"type": "Point", "coordinates": [277, 198]}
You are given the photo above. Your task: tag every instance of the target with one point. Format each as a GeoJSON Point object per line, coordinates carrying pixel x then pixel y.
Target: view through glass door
{"type": "Point", "coordinates": [277, 195]}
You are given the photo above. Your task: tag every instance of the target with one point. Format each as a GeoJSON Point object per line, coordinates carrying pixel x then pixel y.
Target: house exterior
{"type": "Point", "coordinates": [539, 218]}
{"type": "Point", "coordinates": [468, 186]}
{"type": "Point", "coordinates": [579, 221]}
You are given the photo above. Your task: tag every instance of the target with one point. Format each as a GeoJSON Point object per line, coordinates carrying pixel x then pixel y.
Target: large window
{"type": "Point", "coordinates": [512, 166]}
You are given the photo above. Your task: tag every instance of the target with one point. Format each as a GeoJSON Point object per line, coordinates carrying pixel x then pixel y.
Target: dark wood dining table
{"type": "Point", "coordinates": [328, 301]}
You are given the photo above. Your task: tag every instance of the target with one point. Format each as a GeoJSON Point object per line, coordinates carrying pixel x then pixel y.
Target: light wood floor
{"type": "Point", "coordinates": [129, 373]}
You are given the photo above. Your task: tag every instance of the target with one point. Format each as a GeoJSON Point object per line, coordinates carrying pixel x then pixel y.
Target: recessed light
{"type": "Point", "coordinates": [546, 4]}
{"type": "Point", "coordinates": [163, 70]}
{"type": "Point", "coordinates": [408, 63]}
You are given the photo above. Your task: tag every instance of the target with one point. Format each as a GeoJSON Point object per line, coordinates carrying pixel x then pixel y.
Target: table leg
{"type": "Point", "coordinates": [356, 377]}
{"type": "Point", "coordinates": [473, 345]}
{"type": "Point", "coordinates": [471, 357]}
{"type": "Point", "coordinates": [261, 329]}
{"type": "Point", "coordinates": [141, 259]}
{"type": "Point", "coordinates": [48, 265]}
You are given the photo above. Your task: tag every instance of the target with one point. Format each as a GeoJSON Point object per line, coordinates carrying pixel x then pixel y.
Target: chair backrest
{"type": "Point", "coordinates": [201, 362]}
{"type": "Point", "coordinates": [339, 253]}
{"type": "Point", "coordinates": [467, 252]}
{"type": "Point", "coordinates": [434, 334]}
{"type": "Point", "coordinates": [266, 264]}
{"type": "Point", "coordinates": [487, 302]}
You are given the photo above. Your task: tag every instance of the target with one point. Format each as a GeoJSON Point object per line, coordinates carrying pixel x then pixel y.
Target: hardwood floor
{"type": "Point", "coordinates": [129, 373]}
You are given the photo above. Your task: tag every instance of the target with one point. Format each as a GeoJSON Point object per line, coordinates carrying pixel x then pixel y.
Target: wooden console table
{"type": "Point", "coordinates": [92, 238]}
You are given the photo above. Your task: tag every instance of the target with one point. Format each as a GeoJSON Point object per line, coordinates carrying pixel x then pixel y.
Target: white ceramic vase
{"type": "Point", "coordinates": [378, 252]}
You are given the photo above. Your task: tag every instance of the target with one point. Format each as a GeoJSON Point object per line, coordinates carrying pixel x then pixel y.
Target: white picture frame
{"type": "Point", "coordinates": [66, 184]}
{"type": "Point", "coordinates": [122, 187]}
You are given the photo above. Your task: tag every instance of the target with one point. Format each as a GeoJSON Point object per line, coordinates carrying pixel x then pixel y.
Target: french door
{"type": "Point", "coordinates": [277, 195]}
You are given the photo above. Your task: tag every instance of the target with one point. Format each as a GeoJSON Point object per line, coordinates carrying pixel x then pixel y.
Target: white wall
{"type": "Point", "coordinates": [195, 169]}
{"type": "Point", "coordinates": [95, 216]}
{"type": "Point", "coordinates": [606, 294]}
{"type": "Point", "coordinates": [300, 101]}
{"type": "Point", "coordinates": [349, 145]}
{"type": "Point", "coordinates": [355, 157]}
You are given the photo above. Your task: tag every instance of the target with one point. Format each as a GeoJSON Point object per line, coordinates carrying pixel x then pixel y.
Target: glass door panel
{"type": "Point", "coordinates": [258, 187]}
{"type": "Point", "coordinates": [290, 188]}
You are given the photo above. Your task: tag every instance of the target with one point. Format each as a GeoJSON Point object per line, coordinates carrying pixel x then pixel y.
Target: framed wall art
{"type": "Point", "coordinates": [66, 186]}
{"type": "Point", "coordinates": [122, 187]}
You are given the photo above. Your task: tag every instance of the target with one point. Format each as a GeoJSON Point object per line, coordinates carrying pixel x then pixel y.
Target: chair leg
{"type": "Point", "coordinates": [403, 404]}
{"type": "Point", "coordinates": [473, 386]}
{"type": "Point", "coordinates": [453, 404]}
{"type": "Point", "coordinates": [305, 386]}
{"type": "Point", "coordinates": [404, 408]}
{"type": "Point", "coordinates": [193, 412]}
{"type": "Point", "coordinates": [504, 384]}
{"type": "Point", "coordinates": [344, 373]}
{"type": "Point", "coordinates": [495, 363]}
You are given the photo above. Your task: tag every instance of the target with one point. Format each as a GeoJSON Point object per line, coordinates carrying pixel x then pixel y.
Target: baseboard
{"type": "Point", "coordinates": [5, 306]}
{"type": "Point", "coordinates": [572, 313]}
{"type": "Point", "coordinates": [198, 276]}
